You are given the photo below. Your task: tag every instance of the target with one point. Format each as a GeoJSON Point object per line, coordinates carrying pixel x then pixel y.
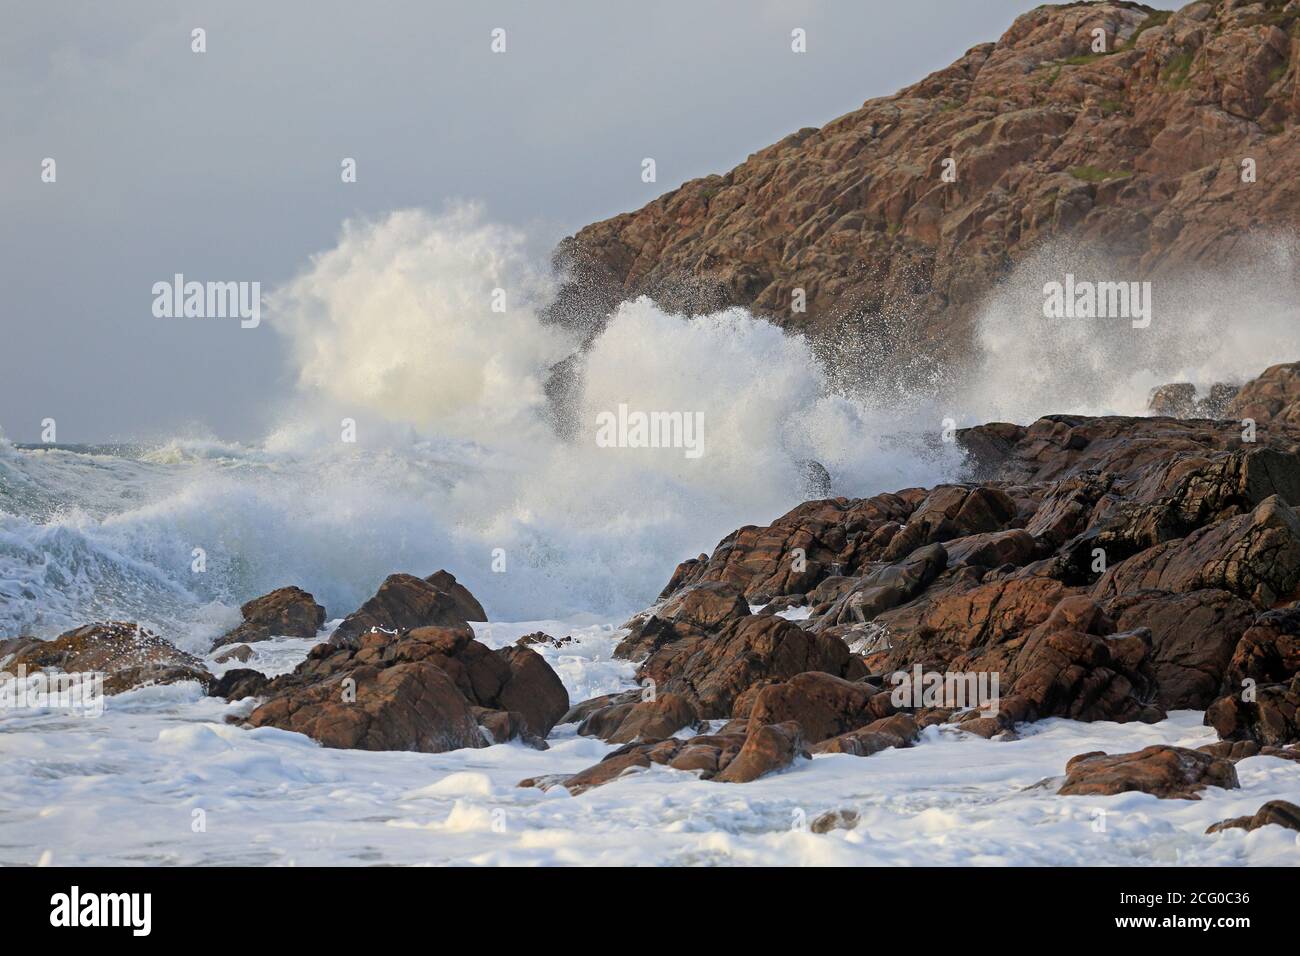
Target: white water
{"type": "Point", "coordinates": [455, 458]}
{"type": "Point", "coordinates": [454, 455]}
{"type": "Point", "coordinates": [123, 789]}
{"type": "Point", "coordinates": [456, 463]}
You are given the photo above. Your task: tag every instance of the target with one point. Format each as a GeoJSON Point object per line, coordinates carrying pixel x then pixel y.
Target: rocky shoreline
{"type": "Point", "coordinates": [1100, 569]}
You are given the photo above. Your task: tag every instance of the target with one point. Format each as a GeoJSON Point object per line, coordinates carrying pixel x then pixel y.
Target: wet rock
{"type": "Point", "coordinates": [240, 652]}
{"type": "Point", "coordinates": [1255, 556]}
{"type": "Point", "coordinates": [538, 637]}
{"type": "Point", "coordinates": [425, 689]}
{"type": "Point", "coordinates": [285, 612]}
{"type": "Point", "coordinates": [834, 820]}
{"type": "Point", "coordinates": [1193, 637]}
{"type": "Point", "coordinates": [128, 655]}
{"type": "Point", "coordinates": [1264, 713]}
{"type": "Point", "coordinates": [404, 602]}
{"type": "Point", "coordinates": [238, 683]}
{"type": "Point", "coordinates": [532, 690]}
{"type": "Point", "coordinates": [767, 749]}
{"type": "Point", "coordinates": [1164, 771]}
{"type": "Point", "coordinates": [714, 671]}
{"type": "Point", "coordinates": [1269, 650]}
{"type": "Point", "coordinates": [1279, 813]}
{"type": "Point", "coordinates": [698, 609]}
{"type": "Point", "coordinates": [1272, 398]}
{"type": "Point", "coordinates": [628, 721]}
{"type": "Point", "coordinates": [411, 706]}
{"type": "Point", "coordinates": [503, 726]}
{"type": "Point", "coordinates": [822, 704]}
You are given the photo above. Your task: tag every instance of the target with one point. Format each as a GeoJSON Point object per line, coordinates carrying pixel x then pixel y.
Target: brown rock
{"type": "Point", "coordinates": [1274, 813]}
{"type": "Point", "coordinates": [699, 608]}
{"type": "Point", "coordinates": [625, 721]}
{"type": "Point", "coordinates": [240, 652]}
{"type": "Point", "coordinates": [414, 707]}
{"type": "Point", "coordinates": [404, 601]}
{"type": "Point", "coordinates": [1193, 636]}
{"type": "Point", "coordinates": [1167, 772]}
{"type": "Point", "coordinates": [532, 690]}
{"type": "Point", "coordinates": [1255, 556]}
{"type": "Point", "coordinates": [1269, 650]}
{"type": "Point", "coordinates": [1272, 397]}
{"type": "Point", "coordinates": [713, 672]}
{"type": "Point", "coordinates": [835, 820]}
{"type": "Point", "coordinates": [822, 704]}
{"type": "Point", "coordinates": [238, 683]}
{"type": "Point", "coordinates": [129, 656]}
{"type": "Point", "coordinates": [285, 612]}
{"type": "Point", "coordinates": [424, 689]}
{"type": "Point", "coordinates": [767, 749]}
{"type": "Point", "coordinates": [1124, 149]}
{"type": "Point", "coordinates": [1270, 716]}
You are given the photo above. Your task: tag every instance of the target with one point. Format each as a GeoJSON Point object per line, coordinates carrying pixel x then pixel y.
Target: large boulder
{"type": "Point", "coordinates": [822, 704]}
{"type": "Point", "coordinates": [887, 587]}
{"type": "Point", "coordinates": [767, 749]}
{"type": "Point", "coordinates": [794, 553]}
{"type": "Point", "coordinates": [628, 718]}
{"type": "Point", "coordinates": [531, 689]}
{"type": "Point", "coordinates": [1163, 771]}
{"type": "Point", "coordinates": [1269, 650]}
{"type": "Point", "coordinates": [412, 706]}
{"type": "Point", "coordinates": [285, 612]}
{"type": "Point", "coordinates": [701, 608]}
{"type": "Point", "coordinates": [404, 601]}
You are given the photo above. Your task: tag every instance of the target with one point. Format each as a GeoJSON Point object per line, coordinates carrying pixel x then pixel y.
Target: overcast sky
{"type": "Point", "coordinates": [225, 165]}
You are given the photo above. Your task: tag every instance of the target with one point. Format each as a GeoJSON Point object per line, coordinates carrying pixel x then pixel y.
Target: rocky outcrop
{"type": "Point", "coordinates": [1101, 569]}
{"type": "Point", "coordinates": [285, 612]}
{"type": "Point", "coordinates": [404, 601]}
{"type": "Point", "coordinates": [1255, 556]}
{"type": "Point", "coordinates": [426, 689]}
{"type": "Point", "coordinates": [128, 656]}
{"type": "Point", "coordinates": [1165, 772]}
{"type": "Point", "coordinates": [1136, 148]}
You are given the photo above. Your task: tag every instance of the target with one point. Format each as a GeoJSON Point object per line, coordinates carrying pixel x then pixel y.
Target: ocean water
{"type": "Point", "coordinates": [456, 464]}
